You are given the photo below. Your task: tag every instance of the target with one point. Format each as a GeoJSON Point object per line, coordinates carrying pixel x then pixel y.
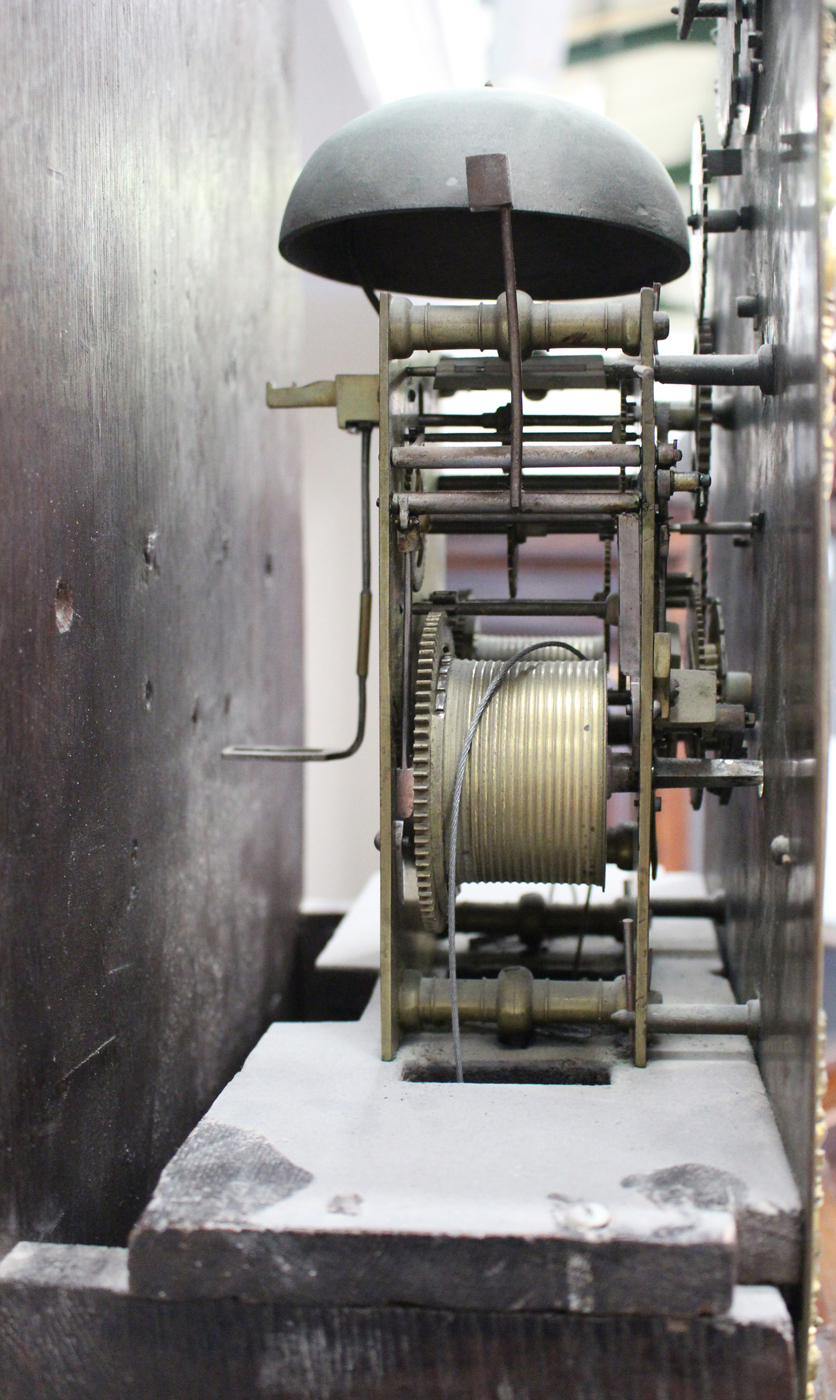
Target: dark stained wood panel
{"type": "Point", "coordinates": [69, 1331]}
{"type": "Point", "coordinates": [769, 458]}
{"type": "Point", "coordinates": [150, 578]}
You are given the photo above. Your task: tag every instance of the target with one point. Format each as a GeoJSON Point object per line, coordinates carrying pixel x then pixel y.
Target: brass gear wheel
{"type": "Point", "coordinates": [703, 403]}
{"type": "Point", "coordinates": [702, 450]}
{"type": "Point", "coordinates": [739, 66]}
{"type": "Point", "coordinates": [435, 649]}
{"type": "Point", "coordinates": [699, 214]}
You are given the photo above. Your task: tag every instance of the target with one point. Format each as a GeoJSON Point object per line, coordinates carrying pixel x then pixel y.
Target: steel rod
{"type": "Point", "coordinates": [535, 502]}
{"type": "Point", "coordinates": [560, 480]}
{"type": "Point", "coordinates": [490, 422]}
{"type": "Point", "coordinates": [698, 1018]}
{"type": "Point", "coordinates": [533, 524]}
{"type": "Point", "coordinates": [713, 527]}
{"type": "Point", "coordinates": [437, 456]}
{"type": "Point", "coordinates": [707, 772]}
{"type": "Point", "coordinates": [567, 920]}
{"type": "Point", "coordinates": [500, 438]}
{"type": "Point", "coordinates": [557, 371]}
{"type": "Point", "coordinates": [757, 370]}
{"type": "Point", "coordinates": [519, 607]}
{"type": "Point", "coordinates": [540, 374]}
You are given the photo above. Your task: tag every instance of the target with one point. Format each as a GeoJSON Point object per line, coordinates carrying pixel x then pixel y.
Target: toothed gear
{"type": "Point", "coordinates": [702, 449]}
{"type": "Point", "coordinates": [740, 67]}
{"type": "Point", "coordinates": [703, 405]}
{"type": "Point", "coordinates": [699, 210]}
{"type": "Point", "coordinates": [729, 36]}
{"type": "Point", "coordinates": [436, 645]}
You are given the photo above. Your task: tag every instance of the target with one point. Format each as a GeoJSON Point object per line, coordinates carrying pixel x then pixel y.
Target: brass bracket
{"type": "Point", "coordinates": [644, 373]}
{"type": "Point", "coordinates": [662, 672]}
{"type": "Point", "coordinates": [356, 397]}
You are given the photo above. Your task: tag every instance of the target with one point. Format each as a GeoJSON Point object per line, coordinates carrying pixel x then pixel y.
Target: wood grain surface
{"type": "Point", "coordinates": [69, 1330]}
{"type": "Point", "coordinates": [150, 576]}
{"type": "Point", "coordinates": [768, 457]}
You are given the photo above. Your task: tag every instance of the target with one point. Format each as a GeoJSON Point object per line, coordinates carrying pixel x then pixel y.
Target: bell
{"type": "Point", "coordinates": [383, 203]}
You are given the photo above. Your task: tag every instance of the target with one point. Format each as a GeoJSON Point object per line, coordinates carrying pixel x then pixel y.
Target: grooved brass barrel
{"type": "Point", "coordinates": [534, 797]}
{"type": "Point", "coordinates": [496, 646]}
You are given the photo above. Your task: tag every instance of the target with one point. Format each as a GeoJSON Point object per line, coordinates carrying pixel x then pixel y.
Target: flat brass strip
{"type": "Point", "coordinates": [390, 971]}
{"type": "Point", "coordinates": [645, 754]}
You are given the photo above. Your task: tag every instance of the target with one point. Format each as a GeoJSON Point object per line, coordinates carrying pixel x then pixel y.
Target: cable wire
{"type": "Point", "coordinates": [365, 599]}
{"type": "Point", "coordinates": [455, 808]}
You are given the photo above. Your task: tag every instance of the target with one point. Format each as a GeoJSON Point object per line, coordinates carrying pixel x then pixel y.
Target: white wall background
{"type": "Point", "coordinates": [340, 337]}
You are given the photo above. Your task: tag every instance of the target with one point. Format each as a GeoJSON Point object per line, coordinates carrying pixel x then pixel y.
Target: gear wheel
{"type": "Point", "coordinates": [739, 66]}
{"type": "Point", "coordinates": [699, 214]}
{"type": "Point", "coordinates": [702, 450]}
{"type": "Point", "coordinates": [704, 416]}
{"type": "Point", "coordinates": [728, 67]}
{"type": "Point", "coordinates": [434, 653]}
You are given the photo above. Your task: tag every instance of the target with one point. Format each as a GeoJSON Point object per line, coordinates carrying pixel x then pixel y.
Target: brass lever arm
{"type": "Point", "coordinates": [321, 394]}
{"type": "Point", "coordinates": [303, 755]}
{"type": "Point", "coordinates": [356, 398]}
